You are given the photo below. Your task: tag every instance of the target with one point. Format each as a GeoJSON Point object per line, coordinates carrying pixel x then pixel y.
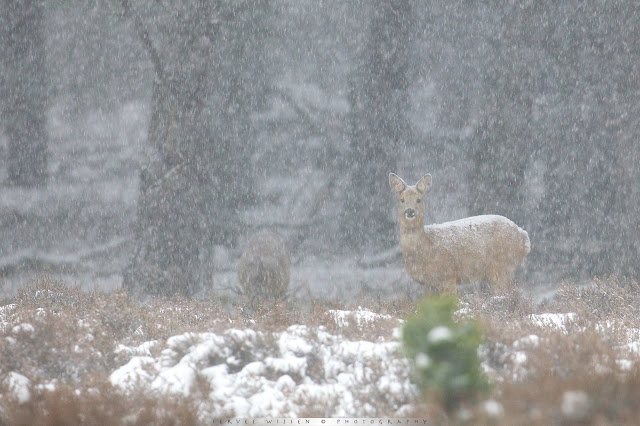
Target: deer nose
{"type": "Point", "coordinates": [409, 213]}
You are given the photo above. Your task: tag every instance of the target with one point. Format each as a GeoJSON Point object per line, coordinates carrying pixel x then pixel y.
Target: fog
{"type": "Point", "coordinates": [142, 143]}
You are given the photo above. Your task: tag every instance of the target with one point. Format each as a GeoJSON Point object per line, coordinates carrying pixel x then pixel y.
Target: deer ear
{"type": "Point", "coordinates": [396, 184]}
{"type": "Point", "coordinates": [424, 184]}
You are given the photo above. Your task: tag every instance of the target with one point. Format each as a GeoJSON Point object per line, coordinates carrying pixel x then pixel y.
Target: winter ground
{"type": "Point", "coordinates": [73, 357]}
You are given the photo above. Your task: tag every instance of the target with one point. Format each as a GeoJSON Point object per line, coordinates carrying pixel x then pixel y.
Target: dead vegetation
{"type": "Point", "coordinates": [574, 360]}
{"type": "Point", "coordinates": [582, 371]}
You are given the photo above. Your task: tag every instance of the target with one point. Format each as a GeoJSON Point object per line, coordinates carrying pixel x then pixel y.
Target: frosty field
{"type": "Point", "coordinates": [76, 357]}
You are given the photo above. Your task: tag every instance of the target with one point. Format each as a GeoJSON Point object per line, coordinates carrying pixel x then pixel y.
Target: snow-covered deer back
{"type": "Point", "coordinates": [485, 248]}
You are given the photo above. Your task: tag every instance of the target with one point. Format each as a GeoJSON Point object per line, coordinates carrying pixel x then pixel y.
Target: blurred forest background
{"type": "Point", "coordinates": [147, 140]}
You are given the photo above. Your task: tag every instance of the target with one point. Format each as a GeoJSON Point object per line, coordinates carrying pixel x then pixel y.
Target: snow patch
{"type": "Point", "coordinates": [5, 312]}
{"type": "Point", "coordinates": [282, 374]}
{"type": "Point", "coordinates": [530, 341]}
{"type": "Point", "coordinates": [18, 386]}
{"type": "Point", "coordinates": [179, 379]}
{"type": "Point", "coordinates": [493, 408]}
{"type": "Point", "coordinates": [24, 328]}
{"type": "Point", "coordinates": [575, 405]}
{"type": "Point", "coordinates": [360, 317]}
{"type": "Point", "coordinates": [143, 349]}
{"type": "Point", "coordinates": [138, 372]}
{"type": "Point", "coordinates": [553, 320]}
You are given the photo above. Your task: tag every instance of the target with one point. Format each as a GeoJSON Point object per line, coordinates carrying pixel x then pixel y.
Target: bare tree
{"type": "Point", "coordinates": [504, 138]}
{"type": "Point", "coordinates": [23, 86]}
{"type": "Point", "coordinates": [379, 122]}
{"type": "Point", "coordinates": [553, 150]}
{"type": "Point", "coordinates": [196, 176]}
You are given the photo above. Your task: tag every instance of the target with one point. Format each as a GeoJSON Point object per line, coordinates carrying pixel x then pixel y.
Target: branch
{"type": "Point", "coordinates": [146, 39]}
{"type": "Point", "coordinates": [299, 109]}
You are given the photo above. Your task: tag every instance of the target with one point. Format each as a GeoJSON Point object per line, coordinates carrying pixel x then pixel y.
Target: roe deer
{"type": "Point", "coordinates": [485, 248]}
{"type": "Point", "coordinates": [264, 268]}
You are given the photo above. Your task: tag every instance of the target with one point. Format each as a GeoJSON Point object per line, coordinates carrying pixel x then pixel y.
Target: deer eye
{"type": "Point", "coordinates": [402, 200]}
{"type": "Point", "coordinates": [418, 201]}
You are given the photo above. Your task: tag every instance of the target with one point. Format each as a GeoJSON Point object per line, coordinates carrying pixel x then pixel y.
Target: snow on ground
{"type": "Point", "coordinates": [299, 371]}
{"type": "Point", "coordinates": [361, 316]}
{"type": "Point", "coordinates": [296, 372]}
{"type": "Point", "coordinates": [18, 385]}
{"type": "Point", "coordinates": [555, 320]}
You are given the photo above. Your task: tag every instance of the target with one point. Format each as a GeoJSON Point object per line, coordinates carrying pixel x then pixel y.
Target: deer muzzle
{"type": "Point", "coordinates": [410, 214]}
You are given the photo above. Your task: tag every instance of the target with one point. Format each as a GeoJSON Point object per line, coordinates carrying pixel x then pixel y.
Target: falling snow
{"type": "Point", "coordinates": [141, 144]}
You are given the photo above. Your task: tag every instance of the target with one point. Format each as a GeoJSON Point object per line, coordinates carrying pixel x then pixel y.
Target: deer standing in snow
{"type": "Point", "coordinates": [264, 268]}
{"type": "Point", "coordinates": [485, 248]}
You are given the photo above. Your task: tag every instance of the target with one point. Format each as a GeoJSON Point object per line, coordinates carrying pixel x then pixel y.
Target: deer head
{"type": "Point", "coordinates": [410, 200]}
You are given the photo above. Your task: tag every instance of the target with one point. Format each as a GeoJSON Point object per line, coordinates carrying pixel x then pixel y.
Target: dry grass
{"type": "Point", "coordinates": [61, 335]}
{"type": "Point", "coordinates": [54, 334]}
{"type": "Point", "coordinates": [537, 379]}
{"type": "Point", "coordinates": [97, 405]}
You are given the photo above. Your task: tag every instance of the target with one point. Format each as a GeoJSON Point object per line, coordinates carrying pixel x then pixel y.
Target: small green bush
{"type": "Point", "coordinates": [445, 353]}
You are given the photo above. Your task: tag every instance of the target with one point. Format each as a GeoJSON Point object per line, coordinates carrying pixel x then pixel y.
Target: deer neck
{"type": "Point", "coordinates": [412, 235]}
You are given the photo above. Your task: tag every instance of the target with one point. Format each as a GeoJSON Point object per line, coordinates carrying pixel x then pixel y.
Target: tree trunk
{"type": "Point", "coordinates": [504, 140]}
{"type": "Point", "coordinates": [196, 175]}
{"type": "Point", "coordinates": [25, 90]}
{"type": "Point", "coordinates": [380, 127]}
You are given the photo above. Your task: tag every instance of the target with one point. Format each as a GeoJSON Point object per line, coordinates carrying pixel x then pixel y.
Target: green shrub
{"type": "Point", "coordinates": [444, 352]}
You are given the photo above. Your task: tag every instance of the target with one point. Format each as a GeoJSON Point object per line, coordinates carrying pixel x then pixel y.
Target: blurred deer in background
{"type": "Point", "coordinates": [264, 268]}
